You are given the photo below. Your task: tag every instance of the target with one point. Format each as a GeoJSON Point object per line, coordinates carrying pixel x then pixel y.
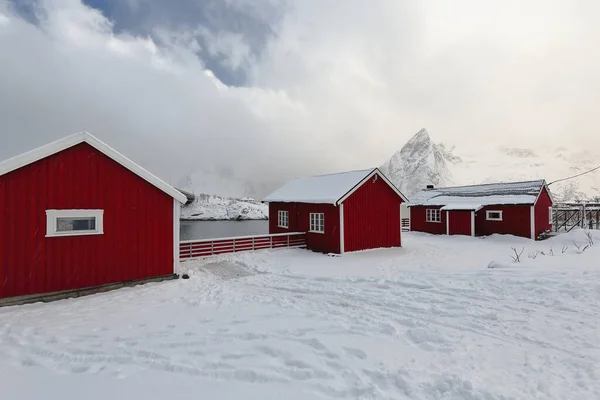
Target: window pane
{"type": "Point", "coordinates": [76, 224]}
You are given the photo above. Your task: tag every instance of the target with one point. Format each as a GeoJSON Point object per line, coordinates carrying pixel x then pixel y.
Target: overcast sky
{"type": "Point", "coordinates": [262, 90]}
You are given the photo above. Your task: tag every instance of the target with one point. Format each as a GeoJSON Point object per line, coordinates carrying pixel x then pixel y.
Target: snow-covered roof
{"type": "Point", "coordinates": [480, 195]}
{"type": "Point", "coordinates": [325, 189]}
{"type": "Point", "coordinates": [75, 139]}
{"type": "Point", "coordinates": [462, 207]}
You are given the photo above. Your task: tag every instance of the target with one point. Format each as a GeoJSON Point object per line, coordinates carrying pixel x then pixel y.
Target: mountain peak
{"type": "Point", "coordinates": [420, 162]}
{"type": "Point", "coordinates": [420, 136]}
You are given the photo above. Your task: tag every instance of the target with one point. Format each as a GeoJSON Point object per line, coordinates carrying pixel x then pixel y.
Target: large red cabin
{"type": "Point", "coordinates": [517, 208]}
{"type": "Point", "coordinates": [342, 212]}
{"type": "Point", "coordinates": [77, 214]}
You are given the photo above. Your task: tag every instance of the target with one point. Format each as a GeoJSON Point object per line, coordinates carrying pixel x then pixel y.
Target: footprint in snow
{"type": "Point", "coordinates": [358, 353]}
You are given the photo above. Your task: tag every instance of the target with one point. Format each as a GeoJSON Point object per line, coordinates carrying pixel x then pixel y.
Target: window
{"type": "Point", "coordinates": [282, 219]}
{"type": "Point", "coordinates": [317, 222]}
{"type": "Point", "coordinates": [434, 216]}
{"type": "Point", "coordinates": [493, 215]}
{"type": "Point", "coordinates": [74, 222]}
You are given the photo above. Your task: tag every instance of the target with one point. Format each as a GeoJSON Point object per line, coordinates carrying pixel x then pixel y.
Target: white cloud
{"type": "Point", "coordinates": [336, 86]}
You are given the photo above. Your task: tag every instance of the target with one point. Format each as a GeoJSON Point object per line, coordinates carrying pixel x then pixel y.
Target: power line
{"type": "Point", "coordinates": [574, 176]}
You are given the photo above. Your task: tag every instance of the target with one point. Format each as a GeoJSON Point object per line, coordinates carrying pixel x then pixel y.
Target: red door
{"type": "Point", "coordinates": [459, 223]}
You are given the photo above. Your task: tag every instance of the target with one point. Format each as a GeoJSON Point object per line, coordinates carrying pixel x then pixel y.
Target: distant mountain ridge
{"type": "Point", "coordinates": [421, 162]}
{"type": "Point", "coordinates": [208, 207]}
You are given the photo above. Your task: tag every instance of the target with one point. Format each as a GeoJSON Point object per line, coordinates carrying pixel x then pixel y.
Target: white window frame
{"type": "Point", "coordinates": [53, 215]}
{"type": "Point", "coordinates": [314, 225]}
{"type": "Point", "coordinates": [433, 215]}
{"type": "Point", "coordinates": [488, 212]}
{"type": "Point", "coordinates": [283, 219]}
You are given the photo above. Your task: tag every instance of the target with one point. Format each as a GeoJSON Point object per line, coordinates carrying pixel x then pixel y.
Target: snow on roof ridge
{"type": "Point", "coordinates": [74, 139]}
{"type": "Point", "coordinates": [340, 173]}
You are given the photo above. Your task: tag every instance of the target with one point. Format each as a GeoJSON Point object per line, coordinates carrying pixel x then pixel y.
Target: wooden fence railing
{"type": "Point", "coordinates": [405, 223]}
{"type": "Point", "coordinates": [208, 247]}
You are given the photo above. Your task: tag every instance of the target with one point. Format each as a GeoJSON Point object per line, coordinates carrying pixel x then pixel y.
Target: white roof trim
{"type": "Point", "coordinates": [366, 178]}
{"type": "Point", "coordinates": [62, 144]}
{"type": "Point", "coordinates": [462, 207]}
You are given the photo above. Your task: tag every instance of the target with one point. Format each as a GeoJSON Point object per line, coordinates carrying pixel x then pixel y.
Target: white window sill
{"type": "Point", "coordinates": [321, 232]}
{"type": "Point", "coordinates": [284, 227]}
{"type": "Point", "coordinates": [75, 233]}
{"type": "Point", "coordinates": [434, 222]}
{"type": "Point", "coordinates": [497, 220]}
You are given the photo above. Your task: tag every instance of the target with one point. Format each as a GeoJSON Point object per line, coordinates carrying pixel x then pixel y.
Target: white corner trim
{"type": "Point", "coordinates": [53, 215]}
{"type": "Point", "coordinates": [77, 138]}
{"type": "Point", "coordinates": [488, 212]}
{"type": "Point", "coordinates": [472, 223]}
{"type": "Point", "coordinates": [176, 234]}
{"type": "Point", "coordinates": [365, 179]}
{"type": "Point", "coordinates": [447, 221]}
{"type": "Point", "coordinates": [341, 229]}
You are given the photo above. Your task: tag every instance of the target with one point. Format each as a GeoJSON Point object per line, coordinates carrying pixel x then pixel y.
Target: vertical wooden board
{"type": "Point", "coordinates": [3, 239]}
{"type": "Point", "coordinates": [418, 221]}
{"type": "Point", "coordinates": [369, 226]}
{"type": "Point", "coordinates": [516, 220]}
{"type": "Point", "coordinates": [542, 213]}
{"type": "Point", "coordinates": [460, 223]}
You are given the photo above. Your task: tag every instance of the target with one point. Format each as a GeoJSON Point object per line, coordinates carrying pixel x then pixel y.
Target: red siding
{"type": "Point", "coordinates": [372, 217]}
{"type": "Point", "coordinates": [138, 225]}
{"type": "Point", "coordinates": [299, 221]}
{"type": "Point", "coordinates": [418, 221]}
{"type": "Point", "coordinates": [459, 222]}
{"type": "Point", "coordinates": [542, 213]}
{"type": "Point", "coordinates": [516, 220]}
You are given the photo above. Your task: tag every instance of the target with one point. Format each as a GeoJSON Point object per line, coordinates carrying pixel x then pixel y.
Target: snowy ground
{"type": "Point", "coordinates": [427, 321]}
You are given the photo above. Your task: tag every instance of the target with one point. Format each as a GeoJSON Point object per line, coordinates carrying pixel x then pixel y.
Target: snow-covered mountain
{"type": "Point", "coordinates": [422, 162]}
{"type": "Point", "coordinates": [212, 208]}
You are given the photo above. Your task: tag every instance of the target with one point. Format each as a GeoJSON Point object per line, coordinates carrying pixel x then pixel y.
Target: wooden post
{"type": "Point", "coordinates": [234, 245]}
{"type": "Point", "coordinates": [252, 243]}
{"type": "Point", "coordinates": [212, 248]}
{"type": "Point", "coordinates": [270, 242]}
{"type": "Point", "coordinates": [288, 236]}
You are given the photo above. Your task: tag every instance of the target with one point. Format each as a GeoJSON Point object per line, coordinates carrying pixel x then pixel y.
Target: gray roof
{"type": "Point", "coordinates": [486, 194]}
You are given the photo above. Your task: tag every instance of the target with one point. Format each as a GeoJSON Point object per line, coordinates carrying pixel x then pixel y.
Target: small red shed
{"type": "Point", "coordinates": [76, 214]}
{"type": "Point", "coordinates": [342, 212]}
{"type": "Point", "coordinates": [516, 208]}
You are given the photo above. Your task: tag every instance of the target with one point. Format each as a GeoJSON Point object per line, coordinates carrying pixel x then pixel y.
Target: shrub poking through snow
{"type": "Point", "coordinates": [590, 238]}
{"type": "Point", "coordinates": [534, 255]}
{"type": "Point", "coordinates": [517, 257]}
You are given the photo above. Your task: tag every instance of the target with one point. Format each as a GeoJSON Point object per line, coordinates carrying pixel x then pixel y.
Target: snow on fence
{"type": "Point", "coordinates": [208, 247]}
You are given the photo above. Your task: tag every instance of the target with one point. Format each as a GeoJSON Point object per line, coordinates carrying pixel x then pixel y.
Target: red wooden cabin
{"type": "Point", "coordinates": [342, 212]}
{"type": "Point", "coordinates": [76, 214]}
{"type": "Point", "coordinates": [517, 208]}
